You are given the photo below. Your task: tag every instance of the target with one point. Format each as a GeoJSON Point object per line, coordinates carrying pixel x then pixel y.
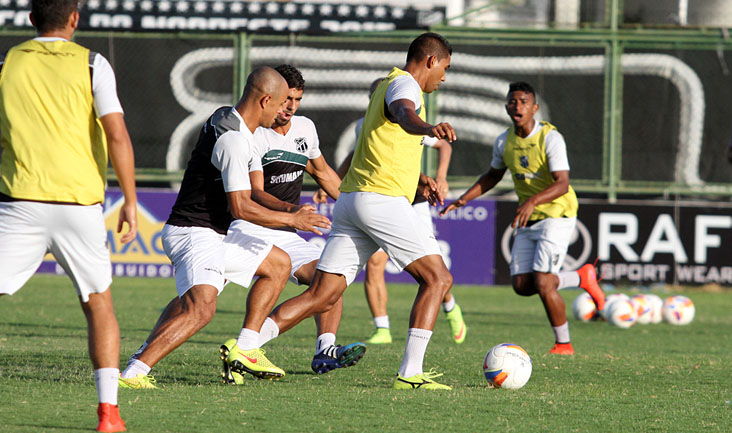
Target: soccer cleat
{"type": "Point", "coordinates": [588, 281]}
{"type": "Point", "coordinates": [250, 361]}
{"type": "Point", "coordinates": [228, 375]}
{"type": "Point", "coordinates": [562, 349]}
{"type": "Point", "coordinates": [457, 324]}
{"type": "Point", "coordinates": [109, 419]}
{"type": "Point", "coordinates": [338, 356]}
{"type": "Point", "coordinates": [419, 381]}
{"type": "Point", "coordinates": [381, 336]}
{"type": "Point", "coordinates": [140, 381]}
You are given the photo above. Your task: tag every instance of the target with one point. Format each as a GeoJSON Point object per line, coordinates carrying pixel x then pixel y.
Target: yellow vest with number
{"type": "Point", "coordinates": [387, 159]}
{"type": "Point", "coordinates": [527, 160]}
{"type": "Point", "coordinates": [53, 146]}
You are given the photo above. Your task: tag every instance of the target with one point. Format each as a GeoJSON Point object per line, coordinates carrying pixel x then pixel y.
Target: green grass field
{"type": "Point", "coordinates": [650, 378]}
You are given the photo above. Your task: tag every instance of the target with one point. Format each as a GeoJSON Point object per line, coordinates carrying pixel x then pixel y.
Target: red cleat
{"type": "Point", "coordinates": [562, 349]}
{"type": "Point", "coordinates": [588, 281]}
{"type": "Point", "coordinates": [109, 419]}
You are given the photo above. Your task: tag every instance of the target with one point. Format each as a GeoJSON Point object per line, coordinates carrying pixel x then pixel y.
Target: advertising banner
{"type": "Point", "coordinates": [642, 242]}
{"type": "Point", "coordinates": [466, 239]}
{"type": "Point", "coordinates": [144, 256]}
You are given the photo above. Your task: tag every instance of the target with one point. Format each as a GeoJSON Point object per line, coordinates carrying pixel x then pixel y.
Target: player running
{"type": "Point", "coordinates": [59, 116]}
{"type": "Point", "coordinates": [374, 283]}
{"type": "Point", "coordinates": [382, 180]}
{"type": "Point", "coordinates": [536, 154]}
{"type": "Point", "coordinates": [281, 154]}
{"type": "Point", "coordinates": [206, 251]}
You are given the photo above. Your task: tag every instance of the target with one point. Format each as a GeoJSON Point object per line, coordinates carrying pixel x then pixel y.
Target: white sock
{"type": "Point", "coordinates": [382, 322]}
{"type": "Point", "coordinates": [107, 384]}
{"type": "Point", "coordinates": [324, 341]}
{"type": "Point", "coordinates": [136, 367]}
{"type": "Point", "coordinates": [568, 279]}
{"type": "Point", "coordinates": [449, 305]}
{"type": "Point", "coordinates": [248, 339]}
{"type": "Point", "coordinates": [269, 331]}
{"type": "Point", "coordinates": [561, 333]}
{"type": "Point", "coordinates": [417, 341]}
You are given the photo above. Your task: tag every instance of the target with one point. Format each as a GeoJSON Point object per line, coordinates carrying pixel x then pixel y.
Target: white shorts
{"type": "Point", "coordinates": [363, 222]}
{"type": "Point", "coordinates": [74, 234]}
{"type": "Point", "coordinates": [423, 213]}
{"type": "Point", "coordinates": [542, 246]}
{"type": "Point", "coordinates": [301, 252]}
{"type": "Point", "coordinates": [202, 256]}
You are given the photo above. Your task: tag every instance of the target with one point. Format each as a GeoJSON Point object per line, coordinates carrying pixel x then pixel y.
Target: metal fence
{"type": "Point", "coordinates": [642, 111]}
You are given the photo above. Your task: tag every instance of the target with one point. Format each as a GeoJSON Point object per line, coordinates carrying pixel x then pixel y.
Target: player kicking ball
{"type": "Point", "coordinates": [536, 155]}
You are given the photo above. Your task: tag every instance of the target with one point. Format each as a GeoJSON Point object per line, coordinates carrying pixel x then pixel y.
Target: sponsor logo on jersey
{"type": "Point", "coordinates": [524, 161]}
{"type": "Point", "coordinates": [286, 177]}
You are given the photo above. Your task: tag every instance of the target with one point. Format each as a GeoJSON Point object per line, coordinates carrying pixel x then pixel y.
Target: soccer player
{"type": "Point", "coordinates": [536, 154]}
{"type": "Point", "coordinates": [206, 252]}
{"type": "Point", "coordinates": [374, 208]}
{"type": "Point", "coordinates": [281, 154]}
{"type": "Point", "coordinates": [375, 284]}
{"type": "Point", "coordinates": [59, 116]}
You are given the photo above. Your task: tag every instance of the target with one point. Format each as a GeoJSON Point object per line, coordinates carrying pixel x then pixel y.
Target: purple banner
{"type": "Point", "coordinates": [466, 238]}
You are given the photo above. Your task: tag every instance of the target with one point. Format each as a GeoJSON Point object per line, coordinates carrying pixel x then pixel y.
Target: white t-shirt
{"type": "Point", "coordinates": [556, 149]}
{"type": "Point", "coordinates": [104, 84]}
{"type": "Point", "coordinates": [301, 139]}
{"type": "Point", "coordinates": [404, 87]}
{"type": "Point", "coordinates": [232, 155]}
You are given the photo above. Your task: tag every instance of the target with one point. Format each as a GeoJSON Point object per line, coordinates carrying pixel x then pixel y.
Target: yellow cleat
{"type": "Point", "coordinates": [250, 361]}
{"type": "Point", "coordinates": [140, 381]}
{"type": "Point", "coordinates": [419, 381]}
{"type": "Point", "coordinates": [381, 336]}
{"type": "Point", "coordinates": [457, 324]}
{"type": "Point", "coordinates": [228, 375]}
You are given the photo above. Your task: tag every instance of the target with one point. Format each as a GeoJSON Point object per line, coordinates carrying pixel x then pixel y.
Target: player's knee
{"type": "Point", "coordinates": [524, 289]}
{"type": "Point", "coordinates": [440, 282]}
{"type": "Point", "coordinates": [277, 266]}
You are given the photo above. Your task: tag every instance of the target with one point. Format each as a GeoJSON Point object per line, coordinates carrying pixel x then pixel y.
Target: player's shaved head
{"type": "Point", "coordinates": [265, 81]}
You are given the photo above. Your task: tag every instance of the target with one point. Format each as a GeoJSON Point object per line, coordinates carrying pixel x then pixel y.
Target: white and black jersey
{"type": "Point", "coordinates": [282, 158]}
{"type": "Point", "coordinates": [219, 164]}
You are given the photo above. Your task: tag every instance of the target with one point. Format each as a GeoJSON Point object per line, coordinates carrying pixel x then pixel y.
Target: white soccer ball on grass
{"type": "Point", "coordinates": [507, 366]}
{"type": "Point", "coordinates": [584, 308]}
{"type": "Point", "coordinates": [621, 314]}
{"type": "Point", "coordinates": [678, 310]}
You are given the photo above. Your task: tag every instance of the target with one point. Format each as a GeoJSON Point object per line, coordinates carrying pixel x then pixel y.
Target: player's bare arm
{"type": "Point", "coordinates": [444, 153]}
{"type": "Point", "coordinates": [557, 189]}
{"type": "Point", "coordinates": [123, 161]}
{"type": "Point", "coordinates": [484, 184]}
{"type": "Point", "coordinates": [321, 196]}
{"type": "Point", "coordinates": [326, 177]}
{"type": "Point", "coordinates": [242, 206]}
{"type": "Point", "coordinates": [259, 195]}
{"type": "Point", "coordinates": [405, 114]}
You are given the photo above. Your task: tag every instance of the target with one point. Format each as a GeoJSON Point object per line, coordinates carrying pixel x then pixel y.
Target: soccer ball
{"type": "Point", "coordinates": [642, 306]}
{"type": "Point", "coordinates": [507, 366]}
{"type": "Point", "coordinates": [583, 308]}
{"type": "Point", "coordinates": [609, 300]}
{"type": "Point", "coordinates": [621, 314]}
{"type": "Point", "coordinates": [678, 310]}
{"type": "Point", "coordinates": [656, 304]}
